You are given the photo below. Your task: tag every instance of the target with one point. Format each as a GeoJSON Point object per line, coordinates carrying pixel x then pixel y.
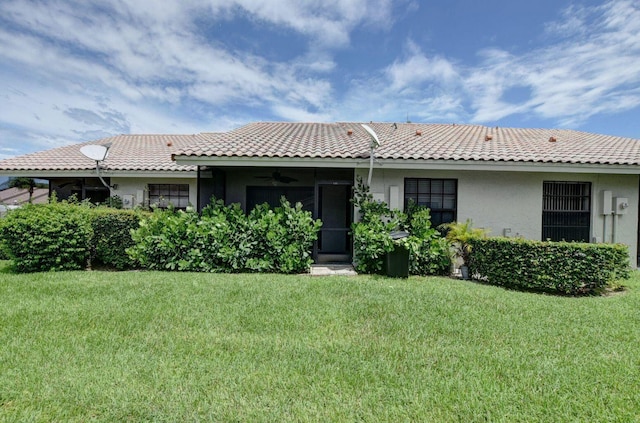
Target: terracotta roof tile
{"type": "Point", "coordinates": [417, 141]}
{"type": "Point", "coordinates": [344, 140]}
{"type": "Point", "coordinates": [127, 153]}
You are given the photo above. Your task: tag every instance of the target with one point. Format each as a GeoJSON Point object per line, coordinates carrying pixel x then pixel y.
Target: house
{"type": "Point", "coordinates": [534, 183]}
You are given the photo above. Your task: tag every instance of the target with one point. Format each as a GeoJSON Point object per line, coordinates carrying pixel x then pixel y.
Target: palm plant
{"type": "Point", "coordinates": [461, 235]}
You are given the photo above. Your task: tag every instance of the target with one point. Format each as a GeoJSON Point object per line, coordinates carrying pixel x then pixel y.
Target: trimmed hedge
{"type": "Point", "coordinates": [67, 236]}
{"type": "Point", "coordinates": [112, 236]}
{"type": "Point", "coordinates": [43, 237]}
{"type": "Point", "coordinates": [557, 267]}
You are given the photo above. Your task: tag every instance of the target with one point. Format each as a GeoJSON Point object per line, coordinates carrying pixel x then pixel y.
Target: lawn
{"type": "Point", "coordinates": [151, 346]}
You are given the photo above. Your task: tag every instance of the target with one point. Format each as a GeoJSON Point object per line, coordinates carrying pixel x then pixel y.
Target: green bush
{"type": "Point", "coordinates": [112, 236]}
{"type": "Point", "coordinates": [428, 251]}
{"type": "Point", "coordinates": [283, 238]}
{"type": "Point", "coordinates": [44, 237]}
{"type": "Point", "coordinates": [224, 239]}
{"type": "Point", "coordinates": [163, 239]}
{"type": "Point", "coordinates": [558, 267]}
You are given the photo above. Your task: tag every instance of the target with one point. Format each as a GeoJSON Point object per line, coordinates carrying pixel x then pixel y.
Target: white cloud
{"type": "Point", "coordinates": [417, 69]}
{"type": "Point", "coordinates": [589, 72]}
{"type": "Point", "coordinates": [77, 62]}
{"type": "Point", "coordinates": [72, 69]}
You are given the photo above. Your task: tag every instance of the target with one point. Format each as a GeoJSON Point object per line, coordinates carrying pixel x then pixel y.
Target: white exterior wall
{"type": "Point", "coordinates": [137, 187]}
{"type": "Point", "coordinates": [513, 200]}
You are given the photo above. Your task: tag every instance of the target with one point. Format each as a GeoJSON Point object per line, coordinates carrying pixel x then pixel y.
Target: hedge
{"type": "Point", "coordinates": [67, 236]}
{"type": "Point", "coordinates": [112, 236]}
{"type": "Point", "coordinates": [43, 237]}
{"type": "Point", "coordinates": [557, 267]}
{"type": "Point", "coordinates": [224, 239]}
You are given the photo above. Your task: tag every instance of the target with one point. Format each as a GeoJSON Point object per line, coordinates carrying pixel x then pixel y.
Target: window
{"type": "Point", "coordinates": [164, 194]}
{"type": "Point", "coordinates": [439, 195]}
{"type": "Point", "coordinates": [566, 211]}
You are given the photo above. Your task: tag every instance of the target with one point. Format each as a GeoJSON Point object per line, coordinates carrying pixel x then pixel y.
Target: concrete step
{"type": "Point", "coordinates": [332, 269]}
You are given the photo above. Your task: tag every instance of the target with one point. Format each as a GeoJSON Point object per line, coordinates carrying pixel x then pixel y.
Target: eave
{"type": "Point", "coordinates": [46, 174]}
{"type": "Point", "coordinates": [411, 164]}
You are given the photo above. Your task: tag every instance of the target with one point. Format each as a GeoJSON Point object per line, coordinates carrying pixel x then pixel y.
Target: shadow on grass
{"type": "Point", "coordinates": [6, 267]}
{"type": "Point", "coordinates": [614, 288]}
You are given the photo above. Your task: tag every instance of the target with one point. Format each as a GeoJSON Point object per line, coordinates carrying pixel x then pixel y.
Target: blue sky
{"type": "Point", "coordinates": [75, 70]}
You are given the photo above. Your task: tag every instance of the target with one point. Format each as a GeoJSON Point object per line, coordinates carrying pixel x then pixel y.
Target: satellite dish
{"type": "Point", "coordinates": [95, 152]}
{"type": "Point", "coordinates": [375, 142]}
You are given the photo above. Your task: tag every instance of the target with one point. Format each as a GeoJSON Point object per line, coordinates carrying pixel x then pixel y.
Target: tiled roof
{"type": "Point", "coordinates": [126, 153]}
{"type": "Point", "coordinates": [400, 141]}
{"type": "Point", "coordinates": [416, 141]}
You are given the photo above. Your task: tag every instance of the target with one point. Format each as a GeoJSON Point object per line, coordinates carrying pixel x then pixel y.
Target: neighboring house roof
{"type": "Point", "coordinates": [419, 141]}
{"type": "Point", "coordinates": [17, 196]}
{"type": "Point", "coordinates": [126, 153]}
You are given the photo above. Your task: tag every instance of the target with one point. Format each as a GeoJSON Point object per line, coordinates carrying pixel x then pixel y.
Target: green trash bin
{"type": "Point", "coordinates": [397, 260]}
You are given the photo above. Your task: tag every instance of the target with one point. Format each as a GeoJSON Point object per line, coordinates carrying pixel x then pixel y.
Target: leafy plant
{"type": "Point", "coordinates": [428, 251]}
{"type": "Point", "coordinates": [114, 201]}
{"type": "Point", "coordinates": [224, 239]}
{"type": "Point", "coordinates": [461, 235]}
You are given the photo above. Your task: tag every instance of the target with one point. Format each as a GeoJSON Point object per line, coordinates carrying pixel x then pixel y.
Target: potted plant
{"type": "Point", "coordinates": [460, 235]}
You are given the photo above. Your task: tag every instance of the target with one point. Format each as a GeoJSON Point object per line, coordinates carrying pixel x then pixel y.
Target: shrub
{"type": "Point", "coordinates": [558, 267]}
{"type": "Point", "coordinates": [163, 240]}
{"type": "Point", "coordinates": [112, 236]}
{"type": "Point", "coordinates": [283, 237]}
{"type": "Point", "coordinates": [224, 239]}
{"type": "Point", "coordinates": [461, 236]}
{"type": "Point", "coordinates": [428, 251]}
{"type": "Point", "coordinates": [115, 201]}
{"type": "Point", "coordinates": [45, 237]}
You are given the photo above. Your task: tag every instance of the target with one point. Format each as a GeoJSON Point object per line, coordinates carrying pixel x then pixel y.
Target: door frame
{"type": "Point", "coordinates": [318, 256]}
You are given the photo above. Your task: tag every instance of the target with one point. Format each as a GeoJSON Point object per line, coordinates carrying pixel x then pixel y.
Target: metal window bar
{"type": "Point", "coordinates": [566, 211]}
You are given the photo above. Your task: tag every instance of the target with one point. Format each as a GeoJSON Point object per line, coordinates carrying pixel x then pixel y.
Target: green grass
{"type": "Point", "coordinates": [150, 346]}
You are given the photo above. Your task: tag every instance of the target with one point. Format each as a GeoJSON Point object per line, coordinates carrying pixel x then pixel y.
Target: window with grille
{"type": "Point", "coordinates": [164, 194]}
{"type": "Point", "coordinates": [439, 195]}
{"type": "Point", "coordinates": [566, 211]}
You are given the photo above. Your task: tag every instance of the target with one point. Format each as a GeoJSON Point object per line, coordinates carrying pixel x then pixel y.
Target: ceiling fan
{"type": "Point", "coordinates": [278, 177]}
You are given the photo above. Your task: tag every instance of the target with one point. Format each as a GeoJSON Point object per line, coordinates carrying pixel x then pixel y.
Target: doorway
{"type": "Point", "coordinates": [336, 212]}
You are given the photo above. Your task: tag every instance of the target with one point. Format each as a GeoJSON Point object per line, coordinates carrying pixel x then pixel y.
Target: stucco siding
{"type": "Point", "coordinates": [137, 187]}
{"type": "Point", "coordinates": [510, 203]}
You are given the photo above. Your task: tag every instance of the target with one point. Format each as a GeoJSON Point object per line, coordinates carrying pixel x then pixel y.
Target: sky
{"type": "Point", "coordinates": [75, 70]}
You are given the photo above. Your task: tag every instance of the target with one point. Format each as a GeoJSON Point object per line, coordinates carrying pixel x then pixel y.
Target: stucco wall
{"type": "Point", "coordinates": [137, 187]}
{"type": "Point", "coordinates": [513, 200]}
